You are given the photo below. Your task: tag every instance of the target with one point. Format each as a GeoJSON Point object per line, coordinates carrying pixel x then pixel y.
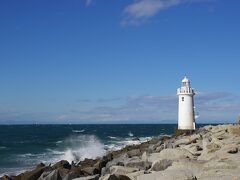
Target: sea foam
{"type": "Point", "coordinates": [76, 148]}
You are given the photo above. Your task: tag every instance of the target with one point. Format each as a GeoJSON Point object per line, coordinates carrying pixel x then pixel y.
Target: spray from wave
{"type": "Point", "coordinates": [76, 148]}
{"type": "Point", "coordinates": [130, 134]}
{"type": "Point", "coordinates": [78, 131]}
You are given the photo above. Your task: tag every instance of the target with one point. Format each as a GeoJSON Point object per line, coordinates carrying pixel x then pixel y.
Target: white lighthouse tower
{"type": "Point", "coordinates": [186, 115]}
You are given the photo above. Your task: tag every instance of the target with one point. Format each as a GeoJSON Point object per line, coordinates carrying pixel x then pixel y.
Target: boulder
{"type": "Point", "coordinates": [217, 174]}
{"type": "Point", "coordinates": [31, 175]}
{"type": "Point", "coordinates": [95, 177]}
{"type": "Point", "coordinates": [193, 166]}
{"type": "Point", "coordinates": [102, 162]}
{"type": "Point", "coordinates": [169, 144]}
{"type": "Point", "coordinates": [187, 140]}
{"type": "Point", "coordinates": [137, 163]}
{"type": "Point", "coordinates": [233, 130]}
{"type": "Point", "coordinates": [170, 154]}
{"type": "Point", "coordinates": [87, 162]}
{"type": "Point", "coordinates": [119, 161]}
{"type": "Point", "coordinates": [54, 175]}
{"type": "Point", "coordinates": [114, 177]}
{"type": "Point", "coordinates": [231, 148]}
{"type": "Point", "coordinates": [44, 175]}
{"type": "Point", "coordinates": [71, 176]}
{"type": "Point", "coordinates": [122, 170]}
{"type": "Point", "coordinates": [134, 175]}
{"type": "Point", "coordinates": [209, 149]}
{"type": "Point", "coordinates": [134, 152]}
{"type": "Point", "coordinates": [5, 177]}
{"type": "Point", "coordinates": [159, 148]}
{"type": "Point", "coordinates": [194, 149]}
{"type": "Point", "coordinates": [161, 165]}
{"type": "Point", "coordinates": [220, 164]}
{"type": "Point", "coordinates": [62, 164]}
{"type": "Point", "coordinates": [90, 171]}
{"type": "Point", "coordinates": [145, 157]}
{"type": "Point", "coordinates": [168, 175]}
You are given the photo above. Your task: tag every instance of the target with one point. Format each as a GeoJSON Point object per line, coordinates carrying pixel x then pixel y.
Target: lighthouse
{"type": "Point", "coordinates": [186, 114]}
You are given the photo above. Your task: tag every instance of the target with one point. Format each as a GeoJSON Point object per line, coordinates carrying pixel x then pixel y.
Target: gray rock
{"type": "Point", "coordinates": [71, 175]}
{"type": "Point", "coordinates": [134, 175]}
{"type": "Point", "coordinates": [54, 175]}
{"type": "Point", "coordinates": [32, 175]}
{"type": "Point", "coordinates": [193, 166]}
{"type": "Point", "coordinates": [95, 177]}
{"type": "Point", "coordinates": [103, 171]}
{"type": "Point", "coordinates": [159, 148]}
{"type": "Point", "coordinates": [169, 144]}
{"type": "Point", "coordinates": [122, 170]}
{"type": "Point", "coordinates": [62, 164]}
{"type": "Point", "coordinates": [231, 148]}
{"type": "Point", "coordinates": [161, 165]}
{"type": "Point", "coordinates": [168, 175]}
{"type": "Point", "coordinates": [134, 152]}
{"type": "Point", "coordinates": [187, 140]}
{"type": "Point", "coordinates": [145, 157]}
{"type": "Point", "coordinates": [44, 175]}
{"type": "Point", "coordinates": [90, 170]}
{"type": "Point", "coordinates": [137, 163]}
{"type": "Point", "coordinates": [170, 154]}
{"type": "Point", "coordinates": [194, 149]}
{"type": "Point", "coordinates": [117, 161]}
{"type": "Point", "coordinates": [114, 177]}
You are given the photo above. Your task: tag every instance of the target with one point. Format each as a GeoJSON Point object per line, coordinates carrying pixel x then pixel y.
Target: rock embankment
{"type": "Point", "coordinates": [212, 152]}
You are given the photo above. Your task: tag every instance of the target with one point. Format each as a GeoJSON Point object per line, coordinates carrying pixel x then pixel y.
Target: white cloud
{"type": "Point", "coordinates": [88, 2]}
{"type": "Point", "coordinates": [141, 10]}
{"type": "Point", "coordinates": [213, 107]}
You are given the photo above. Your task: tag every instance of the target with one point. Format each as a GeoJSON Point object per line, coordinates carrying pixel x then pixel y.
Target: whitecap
{"type": "Point", "coordinates": [3, 147]}
{"type": "Point", "coordinates": [14, 171]}
{"type": "Point", "coordinates": [112, 137]}
{"type": "Point", "coordinates": [76, 148]}
{"type": "Point", "coordinates": [58, 142]}
{"type": "Point", "coordinates": [130, 134]}
{"type": "Point", "coordinates": [78, 131]}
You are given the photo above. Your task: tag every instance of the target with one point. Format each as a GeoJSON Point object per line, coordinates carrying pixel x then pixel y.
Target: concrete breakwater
{"type": "Point", "coordinates": [211, 152]}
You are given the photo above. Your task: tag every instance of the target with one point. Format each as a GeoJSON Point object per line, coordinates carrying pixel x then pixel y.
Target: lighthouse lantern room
{"type": "Point", "coordinates": [186, 115]}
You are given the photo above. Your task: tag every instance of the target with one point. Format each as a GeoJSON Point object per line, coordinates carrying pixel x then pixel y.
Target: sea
{"type": "Point", "coordinates": [22, 147]}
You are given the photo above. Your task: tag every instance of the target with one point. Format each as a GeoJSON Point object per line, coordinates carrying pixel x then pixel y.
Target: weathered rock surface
{"type": "Point", "coordinates": [95, 177]}
{"type": "Point", "coordinates": [168, 175]}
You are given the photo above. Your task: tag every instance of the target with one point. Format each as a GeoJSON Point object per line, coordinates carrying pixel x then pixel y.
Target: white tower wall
{"type": "Point", "coordinates": [186, 115]}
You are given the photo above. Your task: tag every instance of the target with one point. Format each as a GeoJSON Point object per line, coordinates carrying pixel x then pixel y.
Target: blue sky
{"type": "Point", "coordinates": [110, 61]}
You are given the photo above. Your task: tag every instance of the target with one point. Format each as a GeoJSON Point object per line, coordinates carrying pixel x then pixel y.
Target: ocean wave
{"type": "Point", "coordinates": [130, 134]}
{"type": "Point", "coordinates": [55, 152]}
{"type": "Point", "coordinates": [58, 142]}
{"type": "Point", "coordinates": [13, 171]}
{"type": "Point", "coordinates": [78, 131]}
{"type": "Point", "coordinates": [79, 147]}
{"type": "Point", "coordinates": [112, 137]}
{"type": "Point", "coordinates": [26, 155]}
{"type": "Point", "coordinates": [117, 145]}
{"type": "Point", "coordinates": [76, 148]}
{"type": "Point", "coordinates": [3, 147]}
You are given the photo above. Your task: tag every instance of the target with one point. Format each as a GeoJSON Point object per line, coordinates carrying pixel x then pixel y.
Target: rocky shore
{"type": "Point", "coordinates": [210, 152]}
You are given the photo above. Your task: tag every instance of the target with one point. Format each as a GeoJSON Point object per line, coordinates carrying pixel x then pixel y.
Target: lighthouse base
{"type": "Point", "coordinates": [179, 132]}
{"type": "Point", "coordinates": [191, 127]}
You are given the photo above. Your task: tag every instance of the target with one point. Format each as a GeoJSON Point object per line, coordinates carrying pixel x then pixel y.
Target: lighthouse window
{"type": "Point", "coordinates": [182, 98]}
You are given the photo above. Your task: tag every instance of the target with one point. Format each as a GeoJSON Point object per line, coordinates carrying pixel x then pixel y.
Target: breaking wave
{"type": "Point", "coordinates": [130, 134]}
{"type": "Point", "coordinates": [76, 148]}
{"type": "Point", "coordinates": [78, 131]}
